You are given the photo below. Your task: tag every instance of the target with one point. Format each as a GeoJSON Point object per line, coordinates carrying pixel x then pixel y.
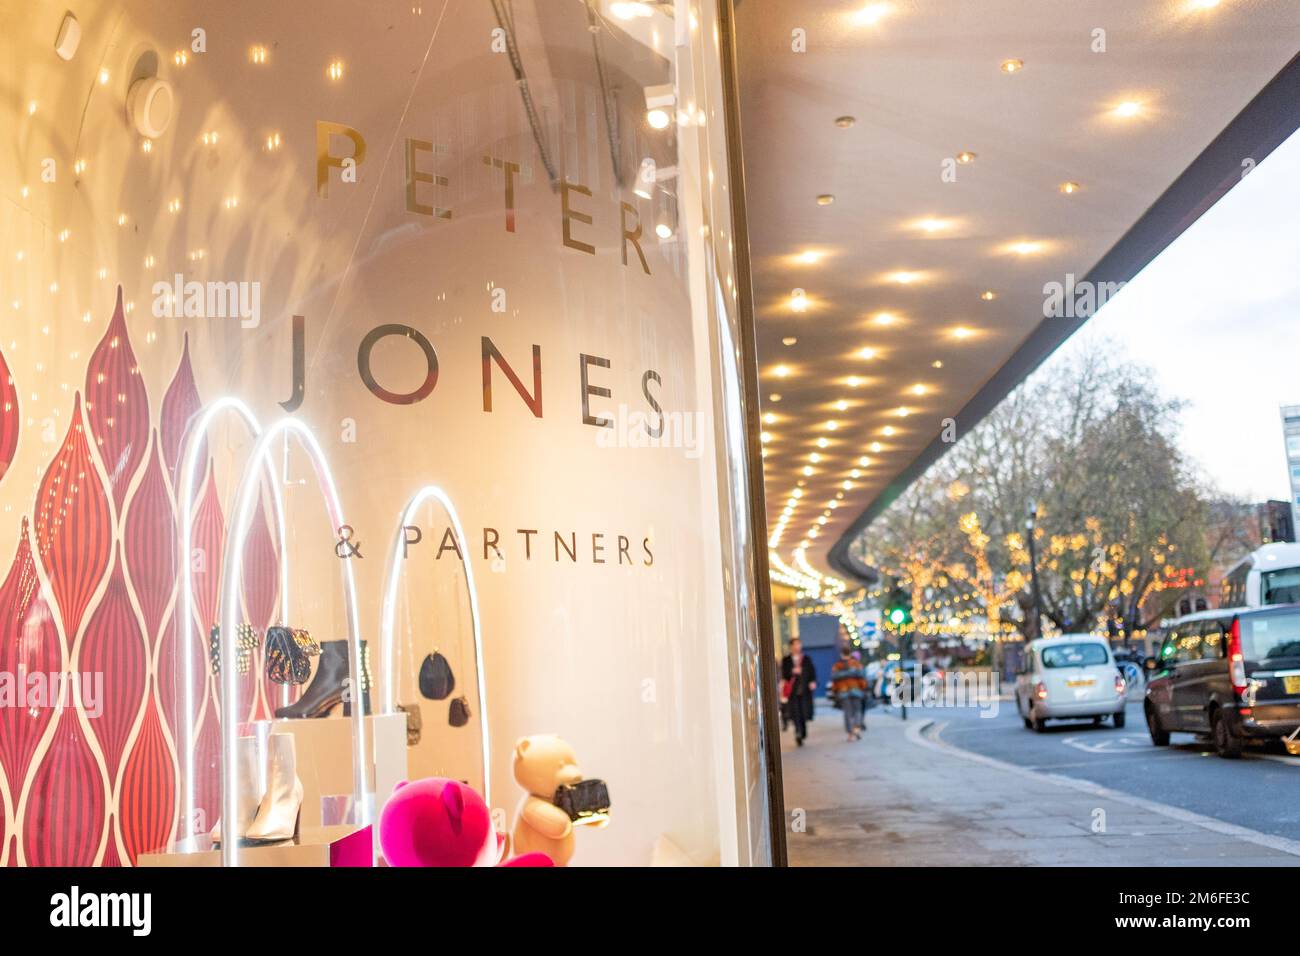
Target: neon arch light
{"type": "Point", "coordinates": [387, 639]}
{"type": "Point", "coordinates": [231, 581]}
{"type": "Point", "coordinates": [191, 441]}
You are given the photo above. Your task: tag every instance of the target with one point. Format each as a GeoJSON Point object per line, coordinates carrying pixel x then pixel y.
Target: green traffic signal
{"type": "Point", "coordinates": [897, 616]}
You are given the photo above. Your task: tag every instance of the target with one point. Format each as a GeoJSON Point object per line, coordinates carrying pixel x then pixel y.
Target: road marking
{"type": "Point", "coordinates": [1106, 744]}
{"type": "Point", "coordinates": [916, 734]}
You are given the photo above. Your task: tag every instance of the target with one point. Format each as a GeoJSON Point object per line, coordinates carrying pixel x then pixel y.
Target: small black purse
{"type": "Point", "coordinates": [458, 714]}
{"type": "Point", "coordinates": [436, 679]}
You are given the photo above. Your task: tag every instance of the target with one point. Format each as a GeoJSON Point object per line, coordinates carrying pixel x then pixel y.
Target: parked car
{"type": "Point", "coordinates": [1233, 674]}
{"type": "Point", "coordinates": [1069, 677]}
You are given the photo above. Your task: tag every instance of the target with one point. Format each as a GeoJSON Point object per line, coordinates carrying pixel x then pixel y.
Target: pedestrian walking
{"type": "Point", "coordinates": [849, 685]}
{"type": "Point", "coordinates": [797, 668]}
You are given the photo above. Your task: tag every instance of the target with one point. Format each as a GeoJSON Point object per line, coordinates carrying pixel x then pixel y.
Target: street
{"type": "Point", "coordinates": [1260, 791]}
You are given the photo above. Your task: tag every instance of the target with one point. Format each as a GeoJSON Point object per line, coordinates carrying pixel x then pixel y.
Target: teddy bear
{"type": "Point", "coordinates": [542, 764]}
{"type": "Point", "coordinates": [441, 822]}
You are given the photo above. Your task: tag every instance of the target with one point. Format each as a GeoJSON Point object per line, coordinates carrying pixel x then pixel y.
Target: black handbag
{"type": "Point", "coordinates": [436, 679]}
{"type": "Point", "coordinates": [458, 714]}
{"type": "Point", "coordinates": [288, 655]}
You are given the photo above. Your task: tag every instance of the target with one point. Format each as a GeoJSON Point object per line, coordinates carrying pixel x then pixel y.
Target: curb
{"type": "Point", "coordinates": [916, 732]}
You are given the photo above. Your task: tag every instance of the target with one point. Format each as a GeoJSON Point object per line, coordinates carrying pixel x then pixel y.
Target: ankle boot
{"type": "Point", "coordinates": [250, 794]}
{"type": "Point", "coordinates": [278, 816]}
{"type": "Point", "coordinates": [325, 692]}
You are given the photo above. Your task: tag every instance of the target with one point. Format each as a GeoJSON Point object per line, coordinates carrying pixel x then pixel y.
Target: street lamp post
{"type": "Point", "coordinates": [1030, 520]}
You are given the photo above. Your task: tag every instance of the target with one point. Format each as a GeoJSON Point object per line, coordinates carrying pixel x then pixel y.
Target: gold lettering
{"type": "Point", "coordinates": [324, 130]}
{"type": "Point", "coordinates": [414, 176]}
{"type": "Point", "coordinates": [509, 169]}
{"type": "Point", "coordinates": [567, 214]}
{"type": "Point", "coordinates": [634, 235]}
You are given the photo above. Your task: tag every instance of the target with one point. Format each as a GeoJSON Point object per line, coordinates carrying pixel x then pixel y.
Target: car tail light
{"type": "Point", "coordinates": [1236, 662]}
{"type": "Point", "coordinates": [1040, 690]}
{"type": "Point", "coordinates": [1119, 684]}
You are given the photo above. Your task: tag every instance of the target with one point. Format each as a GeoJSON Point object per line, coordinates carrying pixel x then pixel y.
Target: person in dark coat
{"type": "Point", "coordinates": [800, 680]}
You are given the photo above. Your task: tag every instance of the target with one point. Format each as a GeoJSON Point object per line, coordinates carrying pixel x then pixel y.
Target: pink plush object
{"type": "Point", "coordinates": [441, 822]}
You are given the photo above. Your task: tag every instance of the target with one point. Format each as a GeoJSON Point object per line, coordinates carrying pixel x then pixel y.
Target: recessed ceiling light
{"type": "Point", "coordinates": [1013, 65]}
{"type": "Point", "coordinates": [884, 318]}
{"type": "Point", "coordinates": [1069, 188]}
{"type": "Point", "coordinates": [961, 332]}
{"type": "Point", "coordinates": [866, 353]}
{"type": "Point", "coordinates": [809, 257]}
{"type": "Point", "coordinates": [765, 437]}
{"type": "Point", "coordinates": [875, 447]}
{"type": "Point", "coordinates": [1127, 109]}
{"type": "Point", "coordinates": [853, 381]}
{"type": "Point", "coordinates": [769, 418]}
{"type": "Point", "coordinates": [842, 405]}
{"type": "Point", "coordinates": [789, 340]}
{"type": "Point", "coordinates": [625, 10]}
{"type": "Point", "coordinates": [871, 14]}
{"type": "Point", "coordinates": [864, 461]}
{"type": "Point", "coordinates": [918, 389]}
{"type": "Point", "coordinates": [904, 277]}
{"type": "Point", "coordinates": [887, 431]}
{"type": "Point", "coordinates": [808, 470]}
{"type": "Point", "coordinates": [781, 371]}
{"type": "Point", "coordinates": [1206, 4]}
{"type": "Point", "coordinates": [965, 157]}
{"type": "Point", "coordinates": [936, 364]}
{"type": "Point", "coordinates": [664, 231]}
{"type": "Point", "coordinates": [774, 397]}
{"type": "Point", "coordinates": [932, 225]}
{"type": "Point", "coordinates": [822, 443]}
{"type": "Point", "coordinates": [844, 122]}
{"type": "Point", "coordinates": [903, 411]}
{"type": "Point", "coordinates": [814, 458]}
{"type": "Point", "coordinates": [798, 300]}
{"type": "Point", "coordinates": [988, 295]}
{"type": "Point", "coordinates": [832, 425]}
{"type": "Point", "coordinates": [825, 199]}
{"type": "Point", "coordinates": [658, 119]}
{"type": "Point", "coordinates": [1026, 247]}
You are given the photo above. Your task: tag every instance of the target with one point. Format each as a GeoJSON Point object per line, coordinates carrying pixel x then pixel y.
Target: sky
{"type": "Point", "coordinates": [1216, 317]}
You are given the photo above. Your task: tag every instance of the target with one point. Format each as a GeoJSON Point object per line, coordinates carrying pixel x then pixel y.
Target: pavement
{"type": "Point", "coordinates": [903, 796]}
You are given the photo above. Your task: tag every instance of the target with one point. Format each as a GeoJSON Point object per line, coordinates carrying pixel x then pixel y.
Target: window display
{"type": "Point", "coordinates": [371, 411]}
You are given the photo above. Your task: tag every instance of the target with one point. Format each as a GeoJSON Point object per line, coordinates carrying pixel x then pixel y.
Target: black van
{"type": "Point", "coordinates": [1233, 674]}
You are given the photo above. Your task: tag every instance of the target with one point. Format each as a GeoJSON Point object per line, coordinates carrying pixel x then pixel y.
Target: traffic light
{"type": "Point", "coordinates": [898, 609]}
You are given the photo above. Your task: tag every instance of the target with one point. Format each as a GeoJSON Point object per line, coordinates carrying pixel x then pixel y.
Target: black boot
{"type": "Point", "coordinates": [325, 692]}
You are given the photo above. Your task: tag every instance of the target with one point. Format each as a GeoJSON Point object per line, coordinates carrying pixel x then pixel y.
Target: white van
{"type": "Point", "coordinates": [1069, 677]}
{"type": "Point", "coordinates": [1268, 575]}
